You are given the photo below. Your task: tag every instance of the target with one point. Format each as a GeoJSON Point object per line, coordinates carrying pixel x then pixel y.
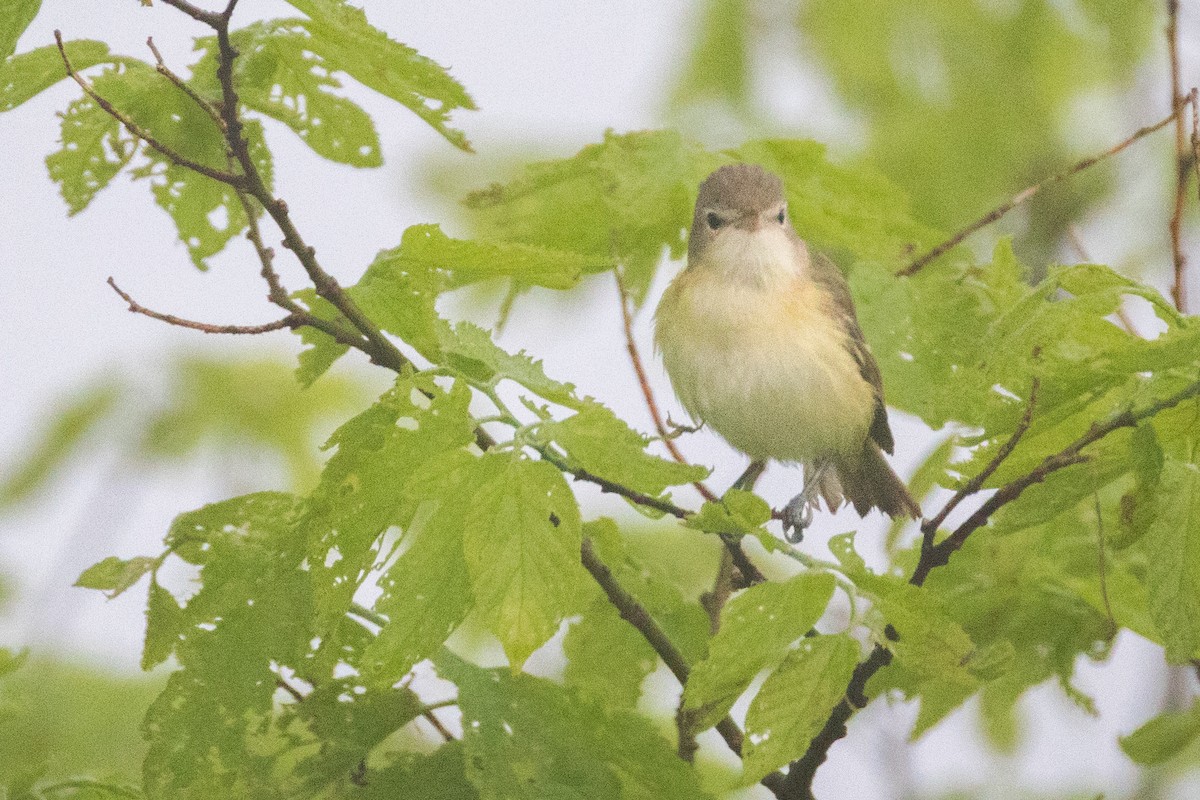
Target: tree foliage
{"type": "Point", "coordinates": [444, 511]}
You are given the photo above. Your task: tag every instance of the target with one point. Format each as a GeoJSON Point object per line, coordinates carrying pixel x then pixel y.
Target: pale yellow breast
{"type": "Point", "coordinates": [768, 369]}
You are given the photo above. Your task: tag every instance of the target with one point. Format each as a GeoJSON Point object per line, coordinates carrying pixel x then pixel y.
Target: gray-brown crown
{"type": "Point", "coordinates": [740, 187]}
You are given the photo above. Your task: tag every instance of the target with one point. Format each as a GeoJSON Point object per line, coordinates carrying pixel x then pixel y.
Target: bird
{"type": "Point", "coordinates": [760, 340]}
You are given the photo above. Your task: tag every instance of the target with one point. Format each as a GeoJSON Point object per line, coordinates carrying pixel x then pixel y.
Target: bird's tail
{"type": "Point", "coordinates": [870, 483]}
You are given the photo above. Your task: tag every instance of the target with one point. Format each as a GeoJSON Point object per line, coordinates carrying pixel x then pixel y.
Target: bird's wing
{"type": "Point", "coordinates": [826, 273]}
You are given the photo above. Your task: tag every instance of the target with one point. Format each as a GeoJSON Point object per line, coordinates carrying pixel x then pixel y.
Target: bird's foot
{"type": "Point", "coordinates": [797, 516]}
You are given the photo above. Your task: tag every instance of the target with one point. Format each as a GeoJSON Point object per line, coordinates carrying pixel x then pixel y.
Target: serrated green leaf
{"type": "Point", "coordinates": [522, 541]}
{"type": "Point", "coordinates": [279, 74]}
{"type": "Point", "coordinates": [59, 441]}
{"type": "Point", "coordinates": [114, 575]}
{"type": "Point", "coordinates": [1173, 544]}
{"type": "Point", "coordinates": [341, 35]}
{"type": "Point", "coordinates": [794, 702]}
{"type": "Point", "coordinates": [757, 626]}
{"type": "Point", "coordinates": [17, 17]}
{"type": "Point", "coordinates": [164, 622]}
{"type": "Point", "coordinates": [526, 738]}
{"type": "Point", "coordinates": [596, 440]}
{"type": "Point", "coordinates": [95, 148]}
{"type": "Point", "coordinates": [470, 350]}
{"type": "Point", "coordinates": [1163, 737]}
{"type": "Point", "coordinates": [26, 75]}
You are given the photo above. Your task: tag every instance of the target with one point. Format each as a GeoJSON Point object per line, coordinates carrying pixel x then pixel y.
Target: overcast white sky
{"type": "Point", "coordinates": [553, 74]}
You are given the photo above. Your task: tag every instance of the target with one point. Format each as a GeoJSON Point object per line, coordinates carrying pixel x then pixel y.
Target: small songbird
{"type": "Point", "coordinates": [761, 342]}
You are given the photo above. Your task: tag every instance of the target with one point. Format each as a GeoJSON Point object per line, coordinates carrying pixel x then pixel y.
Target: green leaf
{"type": "Point", "coordinates": [164, 625]}
{"type": "Point", "coordinates": [1163, 737]}
{"type": "Point", "coordinates": [10, 662]}
{"type": "Point", "coordinates": [757, 626]}
{"type": "Point", "coordinates": [522, 542]}
{"type": "Point", "coordinates": [607, 659]}
{"type": "Point", "coordinates": [737, 513]}
{"type": "Point", "coordinates": [342, 37]}
{"type": "Point", "coordinates": [427, 592]}
{"type": "Point", "coordinates": [426, 247]}
{"type": "Point", "coordinates": [794, 702]}
{"type": "Point", "coordinates": [279, 74]}
{"type": "Point", "coordinates": [624, 200]}
{"type": "Point", "coordinates": [323, 350]}
{"type": "Point", "coordinates": [441, 773]}
{"type": "Point", "coordinates": [17, 18]}
{"type": "Point", "coordinates": [114, 575]}
{"type": "Point", "coordinates": [598, 441]}
{"type": "Point", "coordinates": [375, 480]}
{"type": "Point", "coordinates": [95, 148]}
{"type": "Point", "coordinates": [1173, 544]}
{"type": "Point", "coordinates": [59, 441]}
{"type": "Point", "coordinates": [526, 738]}
{"type": "Point", "coordinates": [470, 350]}
{"type": "Point", "coordinates": [24, 76]}
{"type": "Point", "coordinates": [684, 621]}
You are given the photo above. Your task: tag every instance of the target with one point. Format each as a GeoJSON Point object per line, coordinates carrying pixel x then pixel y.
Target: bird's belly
{"type": "Point", "coordinates": [776, 384]}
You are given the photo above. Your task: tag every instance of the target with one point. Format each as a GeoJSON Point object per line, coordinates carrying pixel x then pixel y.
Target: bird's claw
{"type": "Point", "coordinates": [797, 516]}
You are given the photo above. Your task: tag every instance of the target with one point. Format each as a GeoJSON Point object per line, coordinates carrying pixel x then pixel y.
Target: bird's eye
{"type": "Point", "coordinates": [714, 221]}
{"type": "Point", "coordinates": [782, 216]}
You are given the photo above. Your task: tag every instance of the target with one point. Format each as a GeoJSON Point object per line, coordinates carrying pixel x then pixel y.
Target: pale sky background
{"type": "Point", "coordinates": [551, 75]}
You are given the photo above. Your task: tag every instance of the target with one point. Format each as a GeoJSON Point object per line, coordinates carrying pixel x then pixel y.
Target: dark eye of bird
{"type": "Point", "coordinates": [782, 216]}
{"type": "Point", "coordinates": [714, 221]}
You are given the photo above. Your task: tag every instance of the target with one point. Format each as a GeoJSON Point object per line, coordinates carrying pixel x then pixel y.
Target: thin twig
{"type": "Point", "coordinates": [140, 132]}
{"type": "Point", "coordinates": [204, 103]}
{"type": "Point", "coordinates": [930, 527]}
{"type": "Point", "coordinates": [1024, 195]}
{"type": "Point", "coordinates": [209, 18]}
{"type": "Point", "coordinates": [636, 615]}
{"type": "Point", "coordinates": [292, 690]}
{"type": "Point", "coordinates": [648, 393]}
{"type": "Point", "coordinates": [290, 321]}
{"type": "Point", "coordinates": [802, 771]}
{"type": "Point", "coordinates": [432, 719]}
{"type": "Point", "coordinates": [1178, 289]}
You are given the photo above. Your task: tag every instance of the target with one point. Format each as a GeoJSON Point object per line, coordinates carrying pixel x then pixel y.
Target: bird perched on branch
{"type": "Point", "coordinates": [761, 342]}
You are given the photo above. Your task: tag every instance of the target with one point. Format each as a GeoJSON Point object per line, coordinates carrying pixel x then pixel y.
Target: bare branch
{"type": "Point", "coordinates": [1025, 194]}
{"type": "Point", "coordinates": [140, 132]}
{"type": "Point", "coordinates": [209, 18]}
{"type": "Point", "coordinates": [290, 321]}
{"type": "Point", "coordinates": [1182, 157]}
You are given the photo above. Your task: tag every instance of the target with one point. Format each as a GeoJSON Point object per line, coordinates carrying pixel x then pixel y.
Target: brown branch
{"type": "Point", "coordinates": [209, 18]}
{"type": "Point", "coordinates": [292, 690]}
{"type": "Point", "coordinates": [930, 527]}
{"type": "Point", "coordinates": [140, 132]}
{"type": "Point", "coordinates": [442, 730]}
{"type": "Point", "coordinates": [290, 321]}
{"type": "Point", "coordinates": [1178, 286]}
{"type": "Point", "coordinates": [802, 771]}
{"type": "Point", "coordinates": [636, 615]}
{"type": "Point", "coordinates": [1025, 194]}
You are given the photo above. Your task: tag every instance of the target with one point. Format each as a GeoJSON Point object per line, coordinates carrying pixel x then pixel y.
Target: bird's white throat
{"type": "Point", "coordinates": [766, 258]}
